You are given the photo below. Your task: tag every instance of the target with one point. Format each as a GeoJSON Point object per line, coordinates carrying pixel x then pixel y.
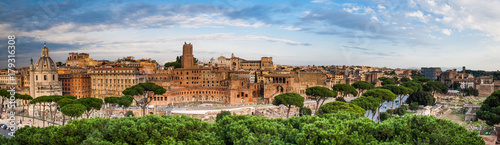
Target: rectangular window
{"type": "Point", "coordinates": [44, 77]}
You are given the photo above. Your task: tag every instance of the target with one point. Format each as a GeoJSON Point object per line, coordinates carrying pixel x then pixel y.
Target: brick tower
{"type": "Point", "coordinates": [187, 59]}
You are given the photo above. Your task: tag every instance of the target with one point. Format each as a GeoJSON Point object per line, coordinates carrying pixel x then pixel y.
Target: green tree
{"type": "Point", "coordinates": [398, 90]}
{"type": "Point", "coordinates": [414, 106]}
{"type": "Point", "coordinates": [415, 86]}
{"type": "Point", "coordinates": [320, 94]}
{"type": "Point", "coordinates": [395, 79]}
{"type": "Point", "coordinates": [289, 100]}
{"type": "Point", "coordinates": [382, 78]}
{"type": "Point", "coordinates": [405, 79]}
{"type": "Point", "coordinates": [64, 102]}
{"type": "Point", "coordinates": [125, 102]}
{"type": "Point", "coordinates": [90, 104]}
{"type": "Point", "coordinates": [362, 86]}
{"type": "Point", "coordinates": [390, 111]}
{"type": "Point", "coordinates": [435, 87]}
{"type": "Point", "coordinates": [367, 103]}
{"type": "Point", "coordinates": [175, 64]}
{"type": "Point", "coordinates": [144, 90]}
{"type": "Point", "coordinates": [336, 106]}
{"type": "Point", "coordinates": [490, 109]}
{"type": "Point", "coordinates": [341, 99]}
{"type": "Point", "coordinates": [73, 110]}
{"type": "Point", "coordinates": [221, 115]}
{"type": "Point", "coordinates": [384, 116]}
{"type": "Point", "coordinates": [401, 110]}
{"type": "Point", "coordinates": [129, 114]}
{"type": "Point", "coordinates": [179, 59]}
{"type": "Point", "coordinates": [334, 128]}
{"type": "Point", "coordinates": [381, 94]}
{"type": "Point", "coordinates": [111, 101]}
{"type": "Point", "coordinates": [456, 85]}
{"type": "Point", "coordinates": [420, 78]}
{"type": "Point", "coordinates": [60, 63]}
{"type": "Point", "coordinates": [345, 89]}
{"type": "Point", "coordinates": [388, 82]}
{"type": "Point", "coordinates": [304, 111]}
{"type": "Point", "coordinates": [422, 98]}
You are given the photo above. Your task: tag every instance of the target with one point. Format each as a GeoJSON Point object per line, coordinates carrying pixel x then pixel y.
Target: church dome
{"type": "Point", "coordinates": [45, 62]}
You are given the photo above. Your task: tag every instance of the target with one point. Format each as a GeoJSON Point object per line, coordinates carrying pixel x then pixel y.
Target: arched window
{"type": "Point", "coordinates": [44, 77]}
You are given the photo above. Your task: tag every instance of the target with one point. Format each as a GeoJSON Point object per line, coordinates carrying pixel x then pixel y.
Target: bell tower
{"type": "Point", "coordinates": [187, 59]}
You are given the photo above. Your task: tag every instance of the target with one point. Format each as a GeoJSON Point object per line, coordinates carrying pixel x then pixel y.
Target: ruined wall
{"type": "Point", "coordinates": [485, 89]}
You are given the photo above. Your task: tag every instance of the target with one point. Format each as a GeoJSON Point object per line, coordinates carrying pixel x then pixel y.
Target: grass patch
{"type": "Point", "coordinates": [476, 102]}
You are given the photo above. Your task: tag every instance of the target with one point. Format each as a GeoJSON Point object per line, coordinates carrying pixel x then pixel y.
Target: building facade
{"type": "Point", "coordinates": [111, 81]}
{"type": "Point", "coordinates": [76, 84]}
{"type": "Point", "coordinates": [43, 76]}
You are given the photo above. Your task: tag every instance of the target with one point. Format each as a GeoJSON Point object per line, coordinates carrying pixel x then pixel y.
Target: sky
{"type": "Point", "coordinates": [380, 33]}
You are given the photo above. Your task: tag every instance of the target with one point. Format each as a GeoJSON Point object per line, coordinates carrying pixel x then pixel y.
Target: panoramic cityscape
{"type": "Point", "coordinates": [250, 72]}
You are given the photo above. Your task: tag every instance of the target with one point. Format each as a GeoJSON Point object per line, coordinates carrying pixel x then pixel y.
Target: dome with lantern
{"type": "Point", "coordinates": [45, 63]}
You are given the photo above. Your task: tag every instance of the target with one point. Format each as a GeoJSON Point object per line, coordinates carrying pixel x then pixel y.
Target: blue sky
{"type": "Point", "coordinates": [396, 34]}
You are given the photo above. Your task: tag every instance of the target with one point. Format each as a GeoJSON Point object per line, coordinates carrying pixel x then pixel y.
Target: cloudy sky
{"type": "Point", "coordinates": [396, 34]}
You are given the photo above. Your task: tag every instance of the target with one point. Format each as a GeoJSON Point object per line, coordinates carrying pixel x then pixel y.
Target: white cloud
{"type": "Point", "coordinates": [380, 7]}
{"type": "Point", "coordinates": [419, 15]}
{"type": "Point", "coordinates": [431, 2]}
{"type": "Point", "coordinates": [446, 32]}
{"type": "Point", "coordinates": [465, 14]}
{"type": "Point", "coordinates": [355, 9]}
{"type": "Point", "coordinates": [322, 1]}
{"type": "Point", "coordinates": [290, 28]}
{"type": "Point", "coordinates": [253, 37]}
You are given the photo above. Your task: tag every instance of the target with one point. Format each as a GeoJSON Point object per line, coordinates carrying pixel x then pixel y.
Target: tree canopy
{"type": "Point", "coordinates": [422, 98]}
{"type": "Point", "coordinates": [405, 79]}
{"type": "Point", "coordinates": [174, 64]}
{"type": "Point", "coordinates": [398, 90]}
{"type": "Point", "coordinates": [320, 94]}
{"type": "Point", "coordinates": [289, 100]}
{"type": "Point", "coordinates": [435, 87]}
{"type": "Point", "coordinates": [73, 110]}
{"type": "Point", "coordinates": [111, 100]}
{"type": "Point", "coordinates": [144, 90]}
{"type": "Point", "coordinates": [367, 102]}
{"type": "Point", "coordinates": [90, 104]}
{"type": "Point", "coordinates": [125, 101]}
{"type": "Point", "coordinates": [382, 94]}
{"type": "Point", "coordinates": [490, 109]}
{"type": "Point", "coordinates": [388, 82]}
{"type": "Point", "coordinates": [345, 89]}
{"type": "Point", "coordinates": [66, 101]}
{"type": "Point", "coordinates": [337, 106]}
{"type": "Point", "coordinates": [362, 86]}
{"type": "Point", "coordinates": [414, 106]}
{"type": "Point", "coordinates": [415, 86]}
{"type": "Point", "coordinates": [335, 128]}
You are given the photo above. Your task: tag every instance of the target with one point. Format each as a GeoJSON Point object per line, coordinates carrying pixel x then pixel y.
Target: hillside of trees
{"type": "Point", "coordinates": [335, 128]}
